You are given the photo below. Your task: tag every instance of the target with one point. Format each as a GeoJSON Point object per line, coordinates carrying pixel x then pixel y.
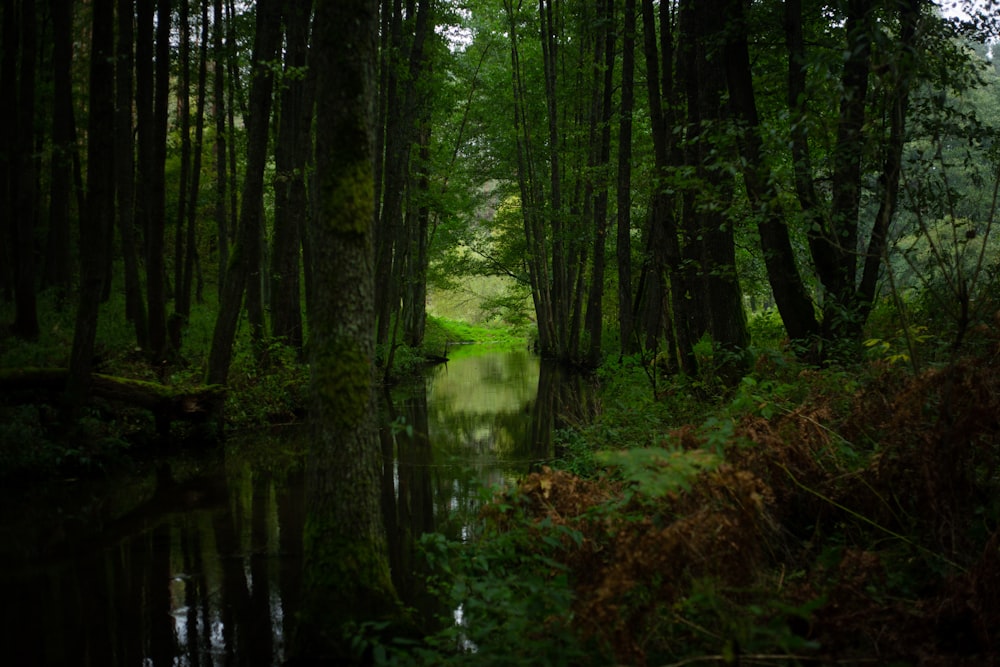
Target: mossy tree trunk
{"type": "Point", "coordinates": [346, 569]}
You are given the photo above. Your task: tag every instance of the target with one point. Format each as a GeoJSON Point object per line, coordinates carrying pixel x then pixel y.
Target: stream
{"type": "Point", "coordinates": [197, 561]}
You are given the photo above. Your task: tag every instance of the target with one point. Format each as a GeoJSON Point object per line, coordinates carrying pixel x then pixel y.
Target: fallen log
{"type": "Point", "coordinates": [165, 402]}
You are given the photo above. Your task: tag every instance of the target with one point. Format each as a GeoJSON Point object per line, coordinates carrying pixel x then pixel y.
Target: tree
{"type": "Point", "coordinates": [21, 183]}
{"type": "Point", "coordinates": [786, 282]}
{"type": "Point", "coordinates": [135, 305]}
{"type": "Point", "coordinates": [626, 321]}
{"type": "Point", "coordinates": [346, 570]}
{"type": "Point", "coordinates": [401, 111]}
{"type": "Point", "coordinates": [58, 258]}
{"type": "Point", "coordinates": [291, 161]}
{"type": "Point", "coordinates": [245, 264]}
{"type": "Point", "coordinates": [95, 227]}
{"type": "Point", "coordinates": [152, 90]}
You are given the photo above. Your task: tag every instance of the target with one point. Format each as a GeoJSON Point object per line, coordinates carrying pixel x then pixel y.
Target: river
{"type": "Point", "coordinates": [197, 561]}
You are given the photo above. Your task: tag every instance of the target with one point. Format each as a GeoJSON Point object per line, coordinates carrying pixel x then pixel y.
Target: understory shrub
{"type": "Point", "coordinates": [816, 517]}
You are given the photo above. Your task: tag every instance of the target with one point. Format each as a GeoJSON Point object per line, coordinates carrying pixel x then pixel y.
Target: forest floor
{"type": "Point", "coordinates": [813, 517]}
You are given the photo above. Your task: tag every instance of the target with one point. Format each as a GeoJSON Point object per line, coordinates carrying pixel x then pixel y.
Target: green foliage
{"type": "Point", "coordinates": [656, 471]}
{"type": "Point", "coordinates": [272, 392]}
{"type": "Point", "coordinates": [33, 444]}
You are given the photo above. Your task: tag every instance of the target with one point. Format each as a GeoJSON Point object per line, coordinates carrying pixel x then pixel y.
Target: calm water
{"type": "Point", "coordinates": [198, 563]}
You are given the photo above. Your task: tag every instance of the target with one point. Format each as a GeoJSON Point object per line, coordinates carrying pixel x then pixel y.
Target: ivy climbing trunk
{"type": "Point", "coordinates": [346, 573]}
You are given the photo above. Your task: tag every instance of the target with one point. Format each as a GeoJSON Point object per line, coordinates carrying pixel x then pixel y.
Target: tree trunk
{"type": "Point", "coordinates": [191, 264]}
{"type": "Point", "coordinates": [595, 311]}
{"type": "Point", "coordinates": [626, 322]}
{"type": "Point", "coordinates": [291, 154]}
{"type": "Point", "coordinates": [532, 201]}
{"type": "Point", "coordinates": [182, 301]}
{"type": "Point", "coordinates": [95, 225]}
{"type": "Point", "coordinates": [58, 257]}
{"type": "Point", "coordinates": [152, 90]}
{"type": "Point", "coordinates": [708, 231]}
{"type": "Point", "coordinates": [560, 297]}
{"type": "Point", "coordinates": [909, 16]}
{"type": "Point", "coordinates": [245, 263]}
{"type": "Point", "coordinates": [789, 291]}
{"type": "Point", "coordinates": [22, 178]}
{"type": "Point", "coordinates": [135, 305]}
{"type": "Point", "coordinates": [415, 296]}
{"type": "Point", "coordinates": [346, 569]}
{"type": "Point", "coordinates": [219, 59]}
{"type": "Point", "coordinates": [666, 299]}
{"type": "Point", "coordinates": [839, 241]}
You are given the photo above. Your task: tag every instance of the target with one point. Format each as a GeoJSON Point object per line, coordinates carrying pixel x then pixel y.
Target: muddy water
{"type": "Point", "coordinates": [195, 559]}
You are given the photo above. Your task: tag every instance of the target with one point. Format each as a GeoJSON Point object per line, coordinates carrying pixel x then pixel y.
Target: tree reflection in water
{"type": "Point", "coordinates": [202, 566]}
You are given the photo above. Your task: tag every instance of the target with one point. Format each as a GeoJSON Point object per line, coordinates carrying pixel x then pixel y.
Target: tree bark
{"type": "Point", "coordinates": [22, 178]}
{"type": "Point", "coordinates": [899, 92]}
{"type": "Point", "coordinates": [291, 157]}
{"type": "Point", "coordinates": [219, 59]}
{"type": "Point", "coordinates": [708, 237]}
{"type": "Point", "coordinates": [245, 263]}
{"type": "Point", "coordinates": [95, 226]}
{"type": "Point", "coordinates": [838, 243]}
{"type": "Point", "coordinates": [135, 305]}
{"type": "Point", "coordinates": [794, 304]}
{"type": "Point", "coordinates": [58, 257]}
{"type": "Point", "coordinates": [665, 299]}
{"type": "Point", "coordinates": [595, 310]}
{"type": "Point", "coordinates": [346, 568]}
{"type": "Point", "coordinates": [626, 322]}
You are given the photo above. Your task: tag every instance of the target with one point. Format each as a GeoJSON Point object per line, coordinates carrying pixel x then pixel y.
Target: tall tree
{"type": "Point", "coordinates": [663, 296]}
{"type": "Point", "coordinates": [794, 304]}
{"type": "Point", "coordinates": [346, 570]}
{"type": "Point", "coordinates": [222, 146]}
{"type": "Point", "coordinates": [95, 227]}
{"type": "Point", "coordinates": [623, 245]}
{"type": "Point", "coordinates": [604, 67]}
{"type": "Point", "coordinates": [291, 161]}
{"type": "Point", "coordinates": [152, 92]}
{"type": "Point", "coordinates": [245, 265]}
{"type": "Point", "coordinates": [22, 182]}
{"type": "Point", "coordinates": [406, 59]}
{"type": "Point", "coordinates": [58, 256]}
{"type": "Point", "coordinates": [707, 232]}
{"type": "Point", "coordinates": [124, 160]}
{"type": "Point", "coordinates": [880, 37]}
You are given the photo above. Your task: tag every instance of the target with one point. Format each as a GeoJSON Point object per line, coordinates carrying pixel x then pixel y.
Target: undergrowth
{"type": "Point", "coordinates": [812, 516]}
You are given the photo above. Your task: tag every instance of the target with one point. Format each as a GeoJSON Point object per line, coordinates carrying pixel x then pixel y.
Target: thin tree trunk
{"type": "Point", "coordinates": [794, 304]}
{"type": "Point", "coordinates": [291, 158]}
{"type": "Point", "coordinates": [95, 227]}
{"type": "Point", "coordinates": [560, 287]}
{"type": "Point", "coordinates": [135, 305]}
{"type": "Point", "coordinates": [838, 244]}
{"type": "Point", "coordinates": [595, 311]}
{"type": "Point", "coordinates": [245, 264]}
{"type": "Point", "coordinates": [909, 16]}
{"type": "Point", "coordinates": [666, 299]}
{"type": "Point", "coordinates": [191, 255]}
{"type": "Point", "coordinates": [23, 184]}
{"type": "Point", "coordinates": [154, 182]}
{"type": "Point", "coordinates": [219, 58]}
{"type": "Point", "coordinates": [626, 323]}
{"type": "Point", "coordinates": [531, 200]}
{"type": "Point", "coordinates": [58, 258]}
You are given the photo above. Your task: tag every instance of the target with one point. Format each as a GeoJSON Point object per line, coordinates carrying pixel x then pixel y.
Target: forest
{"type": "Point", "coordinates": [761, 232]}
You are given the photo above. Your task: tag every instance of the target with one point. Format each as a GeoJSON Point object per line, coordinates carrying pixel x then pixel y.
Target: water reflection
{"type": "Point", "coordinates": [196, 572]}
{"type": "Point", "coordinates": [199, 563]}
